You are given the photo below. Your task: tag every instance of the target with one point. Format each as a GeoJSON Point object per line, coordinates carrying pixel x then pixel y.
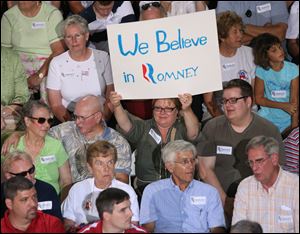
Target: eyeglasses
{"type": "Point", "coordinates": [77, 37]}
{"type": "Point", "coordinates": [259, 162]}
{"type": "Point", "coordinates": [24, 173]}
{"type": "Point", "coordinates": [166, 109]}
{"type": "Point", "coordinates": [42, 120]}
{"type": "Point", "coordinates": [154, 4]}
{"type": "Point", "coordinates": [231, 100]}
{"type": "Point", "coordinates": [109, 164]}
{"type": "Point", "coordinates": [186, 161]}
{"type": "Point", "coordinates": [82, 118]}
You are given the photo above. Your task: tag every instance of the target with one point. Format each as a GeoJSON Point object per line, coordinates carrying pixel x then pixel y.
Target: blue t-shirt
{"type": "Point", "coordinates": [277, 87]}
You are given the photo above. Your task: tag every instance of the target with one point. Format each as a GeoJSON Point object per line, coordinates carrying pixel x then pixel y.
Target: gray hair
{"type": "Point", "coordinates": [32, 105]}
{"type": "Point", "coordinates": [75, 20]}
{"type": "Point", "coordinates": [170, 151]}
{"type": "Point", "coordinates": [12, 157]}
{"type": "Point", "coordinates": [246, 226]}
{"type": "Point", "coordinates": [270, 144]}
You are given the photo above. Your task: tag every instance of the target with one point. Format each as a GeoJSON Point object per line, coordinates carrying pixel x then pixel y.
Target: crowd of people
{"type": "Point", "coordinates": [222, 161]}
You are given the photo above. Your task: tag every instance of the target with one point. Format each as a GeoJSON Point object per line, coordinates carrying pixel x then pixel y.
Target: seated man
{"type": "Point", "coordinates": [271, 196]}
{"type": "Point", "coordinates": [20, 164]}
{"type": "Point", "coordinates": [180, 203]}
{"type": "Point", "coordinates": [22, 214]}
{"type": "Point", "coordinates": [113, 206]}
{"type": "Point", "coordinates": [87, 128]}
{"type": "Point", "coordinates": [79, 208]}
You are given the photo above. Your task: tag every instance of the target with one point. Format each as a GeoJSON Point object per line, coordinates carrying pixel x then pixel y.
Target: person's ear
{"type": "Point", "coordinates": [106, 216]}
{"type": "Point", "coordinates": [8, 203]}
{"type": "Point", "coordinates": [170, 167]}
{"type": "Point", "coordinates": [27, 121]}
{"type": "Point", "coordinates": [275, 159]}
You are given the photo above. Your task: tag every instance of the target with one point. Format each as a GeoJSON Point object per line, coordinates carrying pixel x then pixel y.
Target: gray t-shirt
{"type": "Point", "coordinates": [219, 139]}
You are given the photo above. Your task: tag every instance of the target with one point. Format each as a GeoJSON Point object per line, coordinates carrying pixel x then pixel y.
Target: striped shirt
{"type": "Point", "coordinates": [277, 210]}
{"type": "Point", "coordinates": [291, 147]}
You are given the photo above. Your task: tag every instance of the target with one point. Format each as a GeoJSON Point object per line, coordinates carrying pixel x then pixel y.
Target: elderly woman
{"type": "Point", "coordinates": [30, 28]}
{"type": "Point", "coordinates": [78, 72]}
{"type": "Point", "coordinates": [237, 61]}
{"type": "Point", "coordinates": [48, 154]}
{"type": "Point", "coordinates": [150, 136]}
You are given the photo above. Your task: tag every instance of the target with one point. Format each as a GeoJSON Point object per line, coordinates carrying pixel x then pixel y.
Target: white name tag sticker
{"type": "Point", "coordinates": [45, 205]}
{"type": "Point", "coordinates": [285, 219]}
{"type": "Point", "coordinates": [279, 94]}
{"type": "Point", "coordinates": [263, 8]}
{"type": "Point", "coordinates": [224, 150]}
{"type": "Point", "coordinates": [228, 66]}
{"type": "Point", "coordinates": [48, 159]}
{"type": "Point", "coordinates": [198, 200]}
{"type": "Point", "coordinates": [155, 136]}
{"type": "Point", "coordinates": [38, 25]}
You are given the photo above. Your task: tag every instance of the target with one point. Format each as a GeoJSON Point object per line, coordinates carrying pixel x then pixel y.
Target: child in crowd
{"type": "Point", "coordinates": [276, 83]}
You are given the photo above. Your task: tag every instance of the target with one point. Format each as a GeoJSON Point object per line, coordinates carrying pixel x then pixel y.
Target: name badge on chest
{"type": "Point", "coordinates": [279, 94]}
{"type": "Point", "coordinates": [155, 136]}
{"type": "Point", "coordinates": [45, 205]}
{"type": "Point", "coordinates": [38, 25]}
{"type": "Point", "coordinates": [263, 8]}
{"type": "Point", "coordinates": [48, 159]}
{"type": "Point", "coordinates": [224, 150]}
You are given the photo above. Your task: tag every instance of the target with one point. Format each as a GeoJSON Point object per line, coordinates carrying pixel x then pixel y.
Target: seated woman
{"type": "Point", "coordinates": [14, 90]}
{"type": "Point", "coordinates": [78, 72]}
{"type": "Point", "coordinates": [30, 28]}
{"type": "Point", "coordinates": [48, 154]}
{"type": "Point", "coordinates": [150, 136]}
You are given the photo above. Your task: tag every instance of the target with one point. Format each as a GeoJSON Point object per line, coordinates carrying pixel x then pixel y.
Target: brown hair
{"type": "Point", "coordinates": [262, 44]}
{"type": "Point", "coordinates": [225, 21]}
{"type": "Point", "coordinates": [101, 149]}
{"type": "Point", "coordinates": [174, 100]}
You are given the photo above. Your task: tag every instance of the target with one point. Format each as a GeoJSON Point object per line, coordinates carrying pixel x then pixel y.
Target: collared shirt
{"type": "Point", "coordinates": [277, 210]}
{"type": "Point", "coordinates": [42, 223]}
{"type": "Point", "coordinates": [76, 144]}
{"type": "Point", "coordinates": [196, 209]}
{"type": "Point", "coordinates": [97, 228]}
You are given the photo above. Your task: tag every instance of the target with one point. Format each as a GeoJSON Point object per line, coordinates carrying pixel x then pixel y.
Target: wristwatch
{"type": "Point", "coordinates": [41, 75]}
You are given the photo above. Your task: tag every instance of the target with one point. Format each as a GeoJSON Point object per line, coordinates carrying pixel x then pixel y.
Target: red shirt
{"type": "Point", "coordinates": [96, 227]}
{"type": "Point", "coordinates": [42, 223]}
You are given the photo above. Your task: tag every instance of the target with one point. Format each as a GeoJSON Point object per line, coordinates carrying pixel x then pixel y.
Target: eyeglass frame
{"type": "Point", "coordinates": [24, 173]}
{"type": "Point", "coordinates": [148, 5]}
{"type": "Point", "coordinates": [259, 162]}
{"type": "Point", "coordinates": [42, 120]}
{"type": "Point", "coordinates": [186, 161]}
{"type": "Point", "coordinates": [159, 109]}
{"type": "Point", "coordinates": [232, 100]}
{"type": "Point", "coordinates": [77, 36]}
{"type": "Point", "coordinates": [82, 118]}
{"type": "Point", "coordinates": [109, 163]}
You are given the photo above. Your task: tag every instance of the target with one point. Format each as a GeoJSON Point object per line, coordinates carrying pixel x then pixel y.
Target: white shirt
{"type": "Point", "coordinates": [239, 66]}
{"type": "Point", "coordinates": [76, 79]}
{"type": "Point", "coordinates": [293, 23]}
{"type": "Point", "coordinates": [80, 205]}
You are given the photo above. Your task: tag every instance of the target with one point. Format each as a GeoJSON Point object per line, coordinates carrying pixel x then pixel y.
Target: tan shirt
{"type": "Point", "coordinates": [277, 210]}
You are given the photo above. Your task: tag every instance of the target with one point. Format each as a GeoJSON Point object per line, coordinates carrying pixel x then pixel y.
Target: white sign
{"type": "Point", "coordinates": [162, 58]}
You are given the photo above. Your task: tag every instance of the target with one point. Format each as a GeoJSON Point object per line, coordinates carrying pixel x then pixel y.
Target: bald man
{"type": "Point", "coordinates": [88, 127]}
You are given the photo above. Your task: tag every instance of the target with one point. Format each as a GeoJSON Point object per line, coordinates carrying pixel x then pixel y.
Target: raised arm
{"type": "Point", "coordinates": [120, 114]}
{"type": "Point", "coordinates": [190, 119]}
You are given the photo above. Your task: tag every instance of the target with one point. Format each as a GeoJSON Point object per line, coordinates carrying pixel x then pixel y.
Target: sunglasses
{"type": "Point", "coordinates": [24, 173]}
{"type": "Point", "coordinates": [154, 4]}
{"type": "Point", "coordinates": [42, 120]}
